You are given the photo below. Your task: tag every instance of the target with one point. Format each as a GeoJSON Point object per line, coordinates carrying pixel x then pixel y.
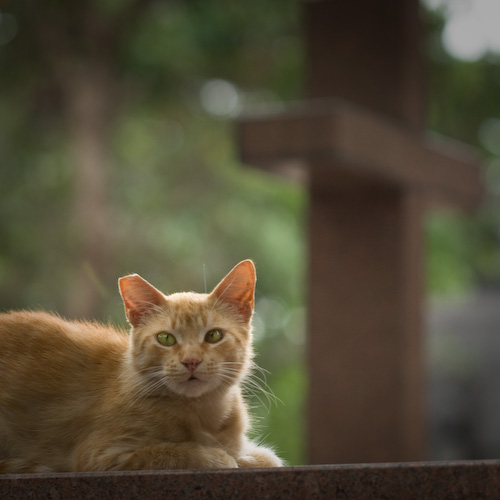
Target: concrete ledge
{"type": "Point", "coordinates": [440, 480]}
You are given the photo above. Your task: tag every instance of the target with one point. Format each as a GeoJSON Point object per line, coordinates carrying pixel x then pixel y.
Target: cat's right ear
{"type": "Point", "coordinates": [139, 297]}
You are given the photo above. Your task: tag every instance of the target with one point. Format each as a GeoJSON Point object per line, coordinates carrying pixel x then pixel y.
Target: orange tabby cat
{"type": "Point", "coordinates": [79, 396]}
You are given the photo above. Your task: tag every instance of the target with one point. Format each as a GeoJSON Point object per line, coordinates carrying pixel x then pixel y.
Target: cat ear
{"type": "Point", "coordinates": [139, 297]}
{"type": "Point", "coordinates": [238, 288]}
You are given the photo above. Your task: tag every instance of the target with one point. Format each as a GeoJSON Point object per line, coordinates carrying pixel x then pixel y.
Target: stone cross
{"type": "Point", "coordinates": [371, 173]}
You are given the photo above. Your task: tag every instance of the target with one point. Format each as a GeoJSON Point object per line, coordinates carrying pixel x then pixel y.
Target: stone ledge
{"type": "Point", "coordinates": [436, 481]}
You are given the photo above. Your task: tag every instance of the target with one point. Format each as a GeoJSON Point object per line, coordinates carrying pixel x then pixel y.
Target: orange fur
{"type": "Point", "coordinates": [78, 396]}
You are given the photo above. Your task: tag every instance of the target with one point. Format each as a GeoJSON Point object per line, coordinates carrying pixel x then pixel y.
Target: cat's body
{"type": "Point", "coordinates": [78, 396]}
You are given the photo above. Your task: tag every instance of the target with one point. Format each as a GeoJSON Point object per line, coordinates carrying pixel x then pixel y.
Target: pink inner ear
{"type": "Point", "coordinates": [238, 288]}
{"type": "Point", "coordinates": [139, 297]}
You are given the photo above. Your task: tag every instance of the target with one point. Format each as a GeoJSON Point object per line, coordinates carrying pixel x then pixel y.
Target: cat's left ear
{"type": "Point", "coordinates": [238, 289]}
{"type": "Point", "coordinates": [139, 297]}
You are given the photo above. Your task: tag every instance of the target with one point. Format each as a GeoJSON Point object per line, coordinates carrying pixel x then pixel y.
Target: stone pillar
{"type": "Point", "coordinates": [366, 394]}
{"type": "Point", "coordinates": [367, 52]}
{"type": "Point", "coordinates": [365, 349]}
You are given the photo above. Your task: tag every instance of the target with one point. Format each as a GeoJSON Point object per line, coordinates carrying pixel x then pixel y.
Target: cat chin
{"type": "Point", "coordinates": [192, 388]}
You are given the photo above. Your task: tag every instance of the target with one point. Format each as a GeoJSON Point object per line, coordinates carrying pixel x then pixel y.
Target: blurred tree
{"type": "Point", "coordinates": [117, 156]}
{"type": "Point", "coordinates": [100, 84]}
{"type": "Point", "coordinates": [63, 62]}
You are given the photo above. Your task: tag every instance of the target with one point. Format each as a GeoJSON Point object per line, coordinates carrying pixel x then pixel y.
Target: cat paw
{"type": "Point", "coordinates": [259, 457]}
{"type": "Point", "coordinates": [18, 466]}
{"type": "Point", "coordinates": [217, 458]}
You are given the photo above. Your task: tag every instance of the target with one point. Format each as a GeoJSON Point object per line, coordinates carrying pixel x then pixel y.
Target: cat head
{"type": "Point", "coordinates": [189, 343]}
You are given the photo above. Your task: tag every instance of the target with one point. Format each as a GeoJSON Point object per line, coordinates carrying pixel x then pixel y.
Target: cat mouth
{"type": "Point", "coordinates": [193, 386]}
{"type": "Point", "coordinates": [193, 380]}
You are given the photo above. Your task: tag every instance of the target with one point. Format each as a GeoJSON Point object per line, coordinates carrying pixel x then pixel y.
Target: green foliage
{"type": "Point", "coordinates": [463, 249]}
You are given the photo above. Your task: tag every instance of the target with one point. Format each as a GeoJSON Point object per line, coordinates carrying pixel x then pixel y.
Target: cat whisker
{"type": "Point", "coordinates": [253, 386]}
{"type": "Point", "coordinates": [256, 384]}
{"type": "Point", "coordinates": [229, 379]}
{"type": "Point", "coordinates": [146, 390]}
{"type": "Point", "coordinates": [259, 368]}
{"type": "Point", "coordinates": [145, 382]}
{"type": "Point", "coordinates": [262, 387]}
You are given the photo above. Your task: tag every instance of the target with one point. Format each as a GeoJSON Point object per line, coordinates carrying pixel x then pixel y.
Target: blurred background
{"type": "Point", "coordinates": [118, 155]}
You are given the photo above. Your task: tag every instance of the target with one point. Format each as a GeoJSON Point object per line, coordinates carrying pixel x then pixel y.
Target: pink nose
{"type": "Point", "coordinates": [191, 364]}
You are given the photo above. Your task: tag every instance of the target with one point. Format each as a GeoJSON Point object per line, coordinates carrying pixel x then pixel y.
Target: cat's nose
{"type": "Point", "coordinates": [191, 364]}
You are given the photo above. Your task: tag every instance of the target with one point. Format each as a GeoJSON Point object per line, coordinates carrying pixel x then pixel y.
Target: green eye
{"type": "Point", "coordinates": [167, 339]}
{"type": "Point", "coordinates": [214, 336]}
